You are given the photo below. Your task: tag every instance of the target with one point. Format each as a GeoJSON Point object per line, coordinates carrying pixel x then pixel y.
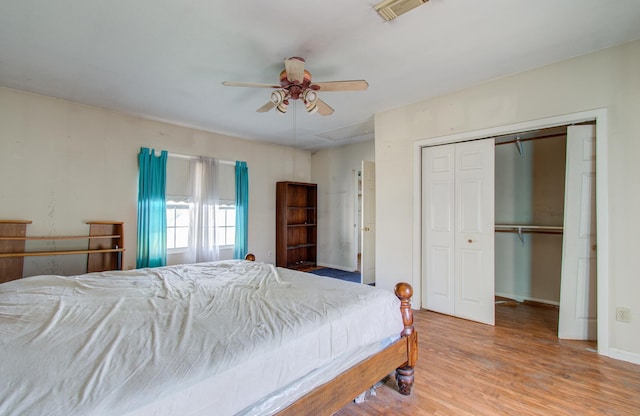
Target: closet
{"type": "Point", "coordinates": [542, 239]}
{"type": "Point", "coordinates": [530, 189]}
{"type": "Point", "coordinates": [545, 224]}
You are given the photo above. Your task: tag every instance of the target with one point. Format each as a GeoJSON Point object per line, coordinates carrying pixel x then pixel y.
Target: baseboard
{"type": "Point", "coordinates": [542, 301]}
{"type": "Point", "coordinates": [510, 296]}
{"type": "Point", "coordinates": [528, 300]}
{"type": "Point", "coordinates": [333, 266]}
{"type": "Point", "coordinates": [624, 355]}
{"type": "Point", "coordinates": [538, 304]}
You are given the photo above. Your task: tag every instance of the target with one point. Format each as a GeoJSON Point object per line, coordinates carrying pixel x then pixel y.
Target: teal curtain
{"type": "Point", "coordinates": [242, 211]}
{"type": "Point", "coordinates": [152, 209]}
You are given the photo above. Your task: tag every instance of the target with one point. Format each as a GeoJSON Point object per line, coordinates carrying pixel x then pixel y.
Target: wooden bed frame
{"type": "Point", "coordinates": [400, 356]}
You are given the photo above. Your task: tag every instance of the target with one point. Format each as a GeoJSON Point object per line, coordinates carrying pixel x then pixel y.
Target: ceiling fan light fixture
{"type": "Point", "coordinates": [278, 96]}
{"type": "Point", "coordinates": [282, 107]}
{"type": "Point", "coordinates": [310, 96]}
{"type": "Point", "coordinates": [311, 107]}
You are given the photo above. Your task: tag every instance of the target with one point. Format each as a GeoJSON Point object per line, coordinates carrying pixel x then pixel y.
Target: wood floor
{"type": "Point", "coordinates": [519, 367]}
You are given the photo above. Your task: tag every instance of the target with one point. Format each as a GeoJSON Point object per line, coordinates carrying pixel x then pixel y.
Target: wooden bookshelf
{"type": "Point", "coordinates": [104, 249]}
{"type": "Point", "coordinates": [296, 224]}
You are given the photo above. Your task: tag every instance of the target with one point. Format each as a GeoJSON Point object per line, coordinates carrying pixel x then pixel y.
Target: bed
{"type": "Point", "coordinates": [230, 337]}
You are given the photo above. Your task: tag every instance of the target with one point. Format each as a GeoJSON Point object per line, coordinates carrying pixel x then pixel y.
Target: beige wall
{"type": "Point", "coordinates": [606, 79]}
{"type": "Point", "coordinates": [333, 170]}
{"type": "Point", "coordinates": [62, 163]}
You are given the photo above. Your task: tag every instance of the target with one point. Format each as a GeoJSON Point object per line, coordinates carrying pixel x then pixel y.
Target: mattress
{"type": "Point", "coordinates": [210, 338]}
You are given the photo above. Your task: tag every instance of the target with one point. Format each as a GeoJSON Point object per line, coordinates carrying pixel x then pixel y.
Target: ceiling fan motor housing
{"type": "Point", "coordinates": [296, 88]}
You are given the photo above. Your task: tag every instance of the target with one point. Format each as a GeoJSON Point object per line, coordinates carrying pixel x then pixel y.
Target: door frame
{"type": "Point", "coordinates": [367, 235]}
{"type": "Point", "coordinates": [602, 203]}
{"type": "Point", "coordinates": [357, 209]}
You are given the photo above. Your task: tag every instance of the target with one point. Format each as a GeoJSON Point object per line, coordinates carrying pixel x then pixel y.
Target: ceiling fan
{"type": "Point", "coordinates": [295, 83]}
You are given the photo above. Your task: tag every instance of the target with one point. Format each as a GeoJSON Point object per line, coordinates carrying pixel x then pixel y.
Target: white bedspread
{"type": "Point", "coordinates": [184, 339]}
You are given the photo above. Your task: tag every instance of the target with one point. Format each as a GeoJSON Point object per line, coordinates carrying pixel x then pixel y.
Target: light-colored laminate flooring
{"type": "Point", "coordinates": [519, 367]}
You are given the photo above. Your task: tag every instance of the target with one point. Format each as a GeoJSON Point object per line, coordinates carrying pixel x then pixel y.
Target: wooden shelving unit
{"type": "Point", "coordinates": [296, 224]}
{"type": "Point", "coordinates": [106, 245]}
{"type": "Point", "coordinates": [104, 251]}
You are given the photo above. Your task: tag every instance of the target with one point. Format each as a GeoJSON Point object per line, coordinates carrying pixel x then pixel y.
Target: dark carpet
{"type": "Point", "coordinates": [337, 274]}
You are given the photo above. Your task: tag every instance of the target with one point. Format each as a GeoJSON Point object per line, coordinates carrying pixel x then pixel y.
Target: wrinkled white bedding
{"type": "Point", "coordinates": [187, 339]}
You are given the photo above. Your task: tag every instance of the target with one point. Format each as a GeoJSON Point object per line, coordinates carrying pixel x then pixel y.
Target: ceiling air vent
{"type": "Point", "coordinates": [390, 9]}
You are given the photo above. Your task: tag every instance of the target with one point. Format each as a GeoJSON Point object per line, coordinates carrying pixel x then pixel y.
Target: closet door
{"type": "Point", "coordinates": [438, 193]}
{"type": "Point", "coordinates": [578, 292]}
{"type": "Point", "coordinates": [458, 228]}
{"type": "Point", "coordinates": [474, 231]}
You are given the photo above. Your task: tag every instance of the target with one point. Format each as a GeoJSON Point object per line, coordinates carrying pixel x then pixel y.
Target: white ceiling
{"type": "Point", "coordinates": [166, 59]}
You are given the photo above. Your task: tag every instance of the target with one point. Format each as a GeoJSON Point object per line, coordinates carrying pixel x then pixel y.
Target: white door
{"type": "Point", "coordinates": [357, 220]}
{"type": "Point", "coordinates": [438, 196]}
{"type": "Point", "coordinates": [474, 236]}
{"type": "Point", "coordinates": [578, 318]}
{"type": "Point", "coordinates": [368, 222]}
{"type": "Point", "coordinates": [458, 229]}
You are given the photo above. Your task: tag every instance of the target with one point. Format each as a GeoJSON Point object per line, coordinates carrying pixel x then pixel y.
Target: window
{"type": "Point", "coordinates": [178, 222]}
{"type": "Point", "coordinates": [181, 205]}
{"type": "Point", "coordinates": [225, 224]}
{"type": "Point", "coordinates": [177, 225]}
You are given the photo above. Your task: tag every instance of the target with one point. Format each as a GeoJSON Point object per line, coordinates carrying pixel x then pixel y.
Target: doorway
{"type": "Point", "coordinates": [545, 225]}
{"type": "Point", "coordinates": [364, 221]}
{"type": "Point", "coordinates": [357, 218]}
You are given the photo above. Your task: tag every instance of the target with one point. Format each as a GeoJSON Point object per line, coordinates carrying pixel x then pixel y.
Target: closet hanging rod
{"type": "Point", "coordinates": [520, 139]}
{"type": "Point", "coordinates": [583, 123]}
{"type": "Point", "coordinates": [537, 229]}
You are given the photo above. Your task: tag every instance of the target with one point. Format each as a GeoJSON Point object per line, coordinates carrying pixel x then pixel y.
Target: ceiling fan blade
{"type": "Point", "coordinates": [268, 106]}
{"type": "Point", "coordinates": [248, 84]}
{"type": "Point", "coordinates": [323, 108]}
{"type": "Point", "coordinates": [295, 69]}
{"type": "Point", "coordinates": [354, 85]}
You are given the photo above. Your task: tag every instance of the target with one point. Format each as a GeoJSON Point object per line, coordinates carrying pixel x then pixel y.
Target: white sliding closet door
{"type": "Point", "coordinates": [458, 229]}
{"type": "Point", "coordinates": [475, 226]}
{"type": "Point", "coordinates": [438, 230]}
{"type": "Point", "coordinates": [578, 318]}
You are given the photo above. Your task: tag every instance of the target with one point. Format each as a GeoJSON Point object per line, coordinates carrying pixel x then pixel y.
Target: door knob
{"type": "Point", "coordinates": [365, 229]}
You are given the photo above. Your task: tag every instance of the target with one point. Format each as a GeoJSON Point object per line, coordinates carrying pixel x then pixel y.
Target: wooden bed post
{"type": "Point", "coordinates": [404, 374]}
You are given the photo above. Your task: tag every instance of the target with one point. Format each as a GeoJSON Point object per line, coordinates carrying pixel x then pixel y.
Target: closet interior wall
{"type": "Point", "coordinates": [529, 190]}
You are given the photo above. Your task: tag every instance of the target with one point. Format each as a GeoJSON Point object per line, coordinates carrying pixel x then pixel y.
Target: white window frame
{"type": "Point", "coordinates": [232, 207]}
{"type": "Point", "coordinates": [173, 203]}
